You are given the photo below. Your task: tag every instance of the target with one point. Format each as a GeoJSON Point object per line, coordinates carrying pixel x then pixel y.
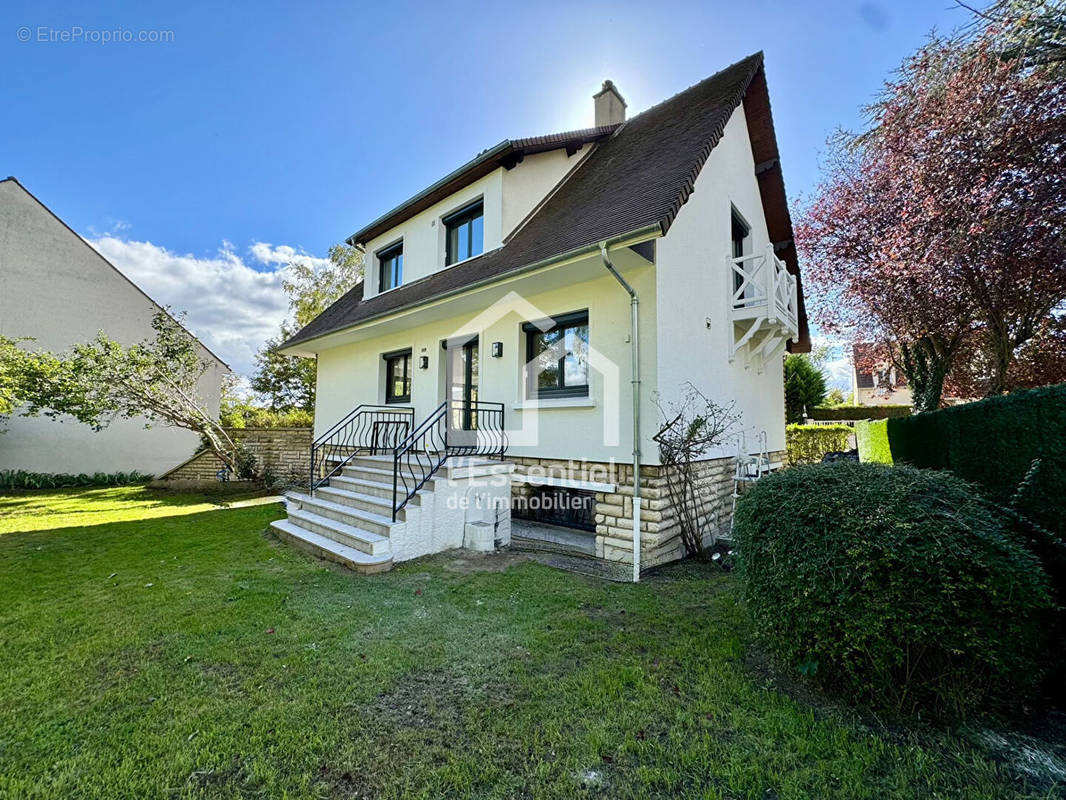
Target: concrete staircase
{"type": "Point", "coordinates": [349, 519]}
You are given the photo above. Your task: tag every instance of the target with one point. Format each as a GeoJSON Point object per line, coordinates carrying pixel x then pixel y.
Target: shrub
{"type": "Point", "coordinates": [902, 588]}
{"type": "Point", "coordinates": [871, 436]}
{"type": "Point", "coordinates": [14, 479]}
{"type": "Point", "coordinates": [804, 386]}
{"type": "Point", "coordinates": [858, 412]}
{"type": "Point", "coordinates": [806, 444]}
{"type": "Point", "coordinates": [994, 443]}
{"type": "Point", "coordinates": [246, 416]}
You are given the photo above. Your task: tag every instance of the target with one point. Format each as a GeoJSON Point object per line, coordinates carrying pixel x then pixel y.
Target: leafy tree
{"type": "Point", "coordinates": [804, 387]}
{"type": "Point", "coordinates": [285, 382]}
{"type": "Point", "coordinates": [25, 373]}
{"type": "Point", "coordinates": [13, 369]}
{"type": "Point", "coordinates": [288, 382]}
{"type": "Point", "coordinates": [940, 228]}
{"type": "Point", "coordinates": [835, 397]}
{"type": "Point", "coordinates": [313, 289]}
{"type": "Point", "coordinates": [1032, 31]}
{"type": "Point", "coordinates": [156, 379]}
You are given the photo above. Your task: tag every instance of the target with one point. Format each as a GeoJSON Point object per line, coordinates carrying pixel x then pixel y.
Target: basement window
{"type": "Point", "coordinates": [555, 505]}
{"type": "Point", "coordinates": [465, 233]}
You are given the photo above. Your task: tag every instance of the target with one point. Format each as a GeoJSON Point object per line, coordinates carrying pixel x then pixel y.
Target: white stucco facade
{"type": "Point", "coordinates": [683, 320]}
{"type": "Point", "coordinates": [508, 196]}
{"type": "Point", "coordinates": [694, 283]}
{"type": "Point", "coordinates": [58, 290]}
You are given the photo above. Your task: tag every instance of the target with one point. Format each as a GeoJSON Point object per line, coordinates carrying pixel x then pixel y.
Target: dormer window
{"type": "Point", "coordinates": [465, 233]}
{"type": "Point", "coordinates": [390, 267]}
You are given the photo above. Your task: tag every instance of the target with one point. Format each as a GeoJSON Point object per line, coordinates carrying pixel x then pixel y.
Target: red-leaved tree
{"type": "Point", "coordinates": [940, 229]}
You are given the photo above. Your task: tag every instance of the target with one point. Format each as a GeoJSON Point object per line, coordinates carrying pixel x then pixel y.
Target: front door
{"type": "Point", "coordinates": [461, 379]}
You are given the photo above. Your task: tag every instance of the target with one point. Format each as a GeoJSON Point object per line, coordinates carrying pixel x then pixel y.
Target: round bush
{"type": "Point", "coordinates": [901, 587]}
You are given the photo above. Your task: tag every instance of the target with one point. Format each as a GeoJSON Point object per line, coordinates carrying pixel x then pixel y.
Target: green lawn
{"type": "Point", "coordinates": [160, 647]}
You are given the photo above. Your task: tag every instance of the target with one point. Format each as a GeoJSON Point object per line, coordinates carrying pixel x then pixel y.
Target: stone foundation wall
{"type": "Point", "coordinates": [285, 451]}
{"type": "Point", "coordinates": [660, 537]}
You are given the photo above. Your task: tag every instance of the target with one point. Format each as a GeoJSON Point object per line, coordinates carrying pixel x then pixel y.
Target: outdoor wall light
{"type": "Point", "coordinates": [423, 362]}
{"type": "Point", "coordinates": [497, 349]}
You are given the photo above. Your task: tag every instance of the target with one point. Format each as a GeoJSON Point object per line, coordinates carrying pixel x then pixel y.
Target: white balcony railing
{"type": "Point", "coordinates": [763, 305]}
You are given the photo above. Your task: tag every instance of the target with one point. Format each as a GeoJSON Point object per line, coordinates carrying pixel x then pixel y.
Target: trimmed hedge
{"type": "Point", "coordinates": [872, 439]}
{"type": "Point", "coordinates": [13, 479]}
{"type": "Point", "coordinates": [901, 588]}
{"type": "Point", "coordinates": [858, 412]}
{"type": "Point", "coordinates": [806, 444]}
{"type": "Point", "coordinates": [249, 417]}
{"type": "Point", "coordinates": [994, 443]}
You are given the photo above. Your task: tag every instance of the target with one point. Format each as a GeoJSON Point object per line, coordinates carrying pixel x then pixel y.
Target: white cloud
{"type": "Point", "coordinates": [282, 255]}
{"type": "Point", "coordinates": [233, 306]}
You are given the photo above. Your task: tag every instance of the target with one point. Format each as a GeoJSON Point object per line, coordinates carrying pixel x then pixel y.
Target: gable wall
{"type": "Point", "coordinates": [693, 284]}
{"type": "Point", "coordinates": [55, 288]}
{"type": "Point", "coordinates": [508, 195]}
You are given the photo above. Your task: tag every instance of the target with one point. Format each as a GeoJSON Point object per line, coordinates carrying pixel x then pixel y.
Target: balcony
{"type": "Point", "coordinates": [763, 306]}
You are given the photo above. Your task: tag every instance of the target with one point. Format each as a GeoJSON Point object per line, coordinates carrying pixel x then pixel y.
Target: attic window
{"type": "Point", "coordinates": [390, 267]}
{"type": "Point", "coordinates": [465, 233]}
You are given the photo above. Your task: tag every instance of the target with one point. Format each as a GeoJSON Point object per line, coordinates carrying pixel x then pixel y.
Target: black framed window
{"type": "Point", "coordinates": [739, 233]}
{"type": "Point", "coordinates": [390, 267]}
{"type": "Point", "coordinates": [465, 233]}
{"type": "Point", "coordinates": [557, 359]}
{"type": "Point", "coordinates": [398, 377]}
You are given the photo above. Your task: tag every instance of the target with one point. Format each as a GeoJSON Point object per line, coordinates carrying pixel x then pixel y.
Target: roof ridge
{"type": "Point", "coordinates": [632, 183]}
{"type": "Point", "coordinates": [758, 57]}
{"type": "Point", "coordinates": [123, 275]}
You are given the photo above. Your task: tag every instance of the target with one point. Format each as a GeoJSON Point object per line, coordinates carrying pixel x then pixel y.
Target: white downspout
{"type": "Point", "coordinates": [634, 336]}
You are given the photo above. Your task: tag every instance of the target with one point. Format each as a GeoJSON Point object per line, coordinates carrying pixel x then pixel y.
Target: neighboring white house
{"type": "Point", "coordinates": [56, 289]}
{"type": "Point", "coordinates": [497, 316]}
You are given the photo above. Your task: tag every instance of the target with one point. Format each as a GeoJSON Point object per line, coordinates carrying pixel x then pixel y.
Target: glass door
{"type": "Point", "coordinates": [461, 387]}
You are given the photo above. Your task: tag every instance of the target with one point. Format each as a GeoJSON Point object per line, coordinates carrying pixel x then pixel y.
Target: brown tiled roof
{"type": "Point", "coordinates": [506, 154]}
{"type": "Point", "coordinates": [637, 178]}
{"type": "Point", "coordinates": [871, 357]}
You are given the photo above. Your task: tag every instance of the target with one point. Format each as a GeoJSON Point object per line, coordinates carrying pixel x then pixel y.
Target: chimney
{"type": "Point", "coordinates": [610, 107]}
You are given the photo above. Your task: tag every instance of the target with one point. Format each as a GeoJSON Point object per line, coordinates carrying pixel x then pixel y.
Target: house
{"type": "Point", "coordinates": [57, 290]}
{"type": "Point", "coordinates": [875, 381]}
{"type": "Point", "coordinates": [524, 318]}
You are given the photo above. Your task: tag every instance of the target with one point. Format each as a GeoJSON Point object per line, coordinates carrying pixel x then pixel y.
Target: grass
{"type": "Point", "coordinates": [155, 646]}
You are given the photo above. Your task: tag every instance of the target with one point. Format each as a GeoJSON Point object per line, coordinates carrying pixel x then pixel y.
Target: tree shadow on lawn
{"type": "Point", "coordinates": [53, 509]}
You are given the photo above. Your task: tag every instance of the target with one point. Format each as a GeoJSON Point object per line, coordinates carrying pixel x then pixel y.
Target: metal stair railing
{"type": "Point", "coordinates": [367, 429]}
{"type": "Point", "coordinates": [454, 428]}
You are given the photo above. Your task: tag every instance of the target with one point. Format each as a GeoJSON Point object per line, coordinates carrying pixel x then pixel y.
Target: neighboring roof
{"type": "Point", "coordinates": [868, 358]}
{"type": "Point", "coordinates": [636, 179]}
{"type": "Point", "coordinates": [100, 255]}
{"type": "Point", "coordinates": [507, 154]}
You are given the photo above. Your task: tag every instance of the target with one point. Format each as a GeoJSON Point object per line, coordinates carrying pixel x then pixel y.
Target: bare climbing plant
{"type": "Point", "coordinates": [690, 429]}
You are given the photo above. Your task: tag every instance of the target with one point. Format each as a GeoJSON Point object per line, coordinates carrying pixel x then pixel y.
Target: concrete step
{"type": "Point", "coordinates": [384, 476]}
{"type": "Point", "coordinates": [380, 524]}
{"type": "Point", "coordinates": [379, 468]}
{"type": "Point", "coordinates": [330, 549]}
{"type": "Point", "coordinates": [361, 486]}
{"type": "Point", "coordinates": [352, 534]}
{"type": "Point", "coordinates": [364, 502]}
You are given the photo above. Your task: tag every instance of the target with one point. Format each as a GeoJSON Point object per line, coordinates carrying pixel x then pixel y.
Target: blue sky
{"type": "Point", "coordinates": [269, 126]}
